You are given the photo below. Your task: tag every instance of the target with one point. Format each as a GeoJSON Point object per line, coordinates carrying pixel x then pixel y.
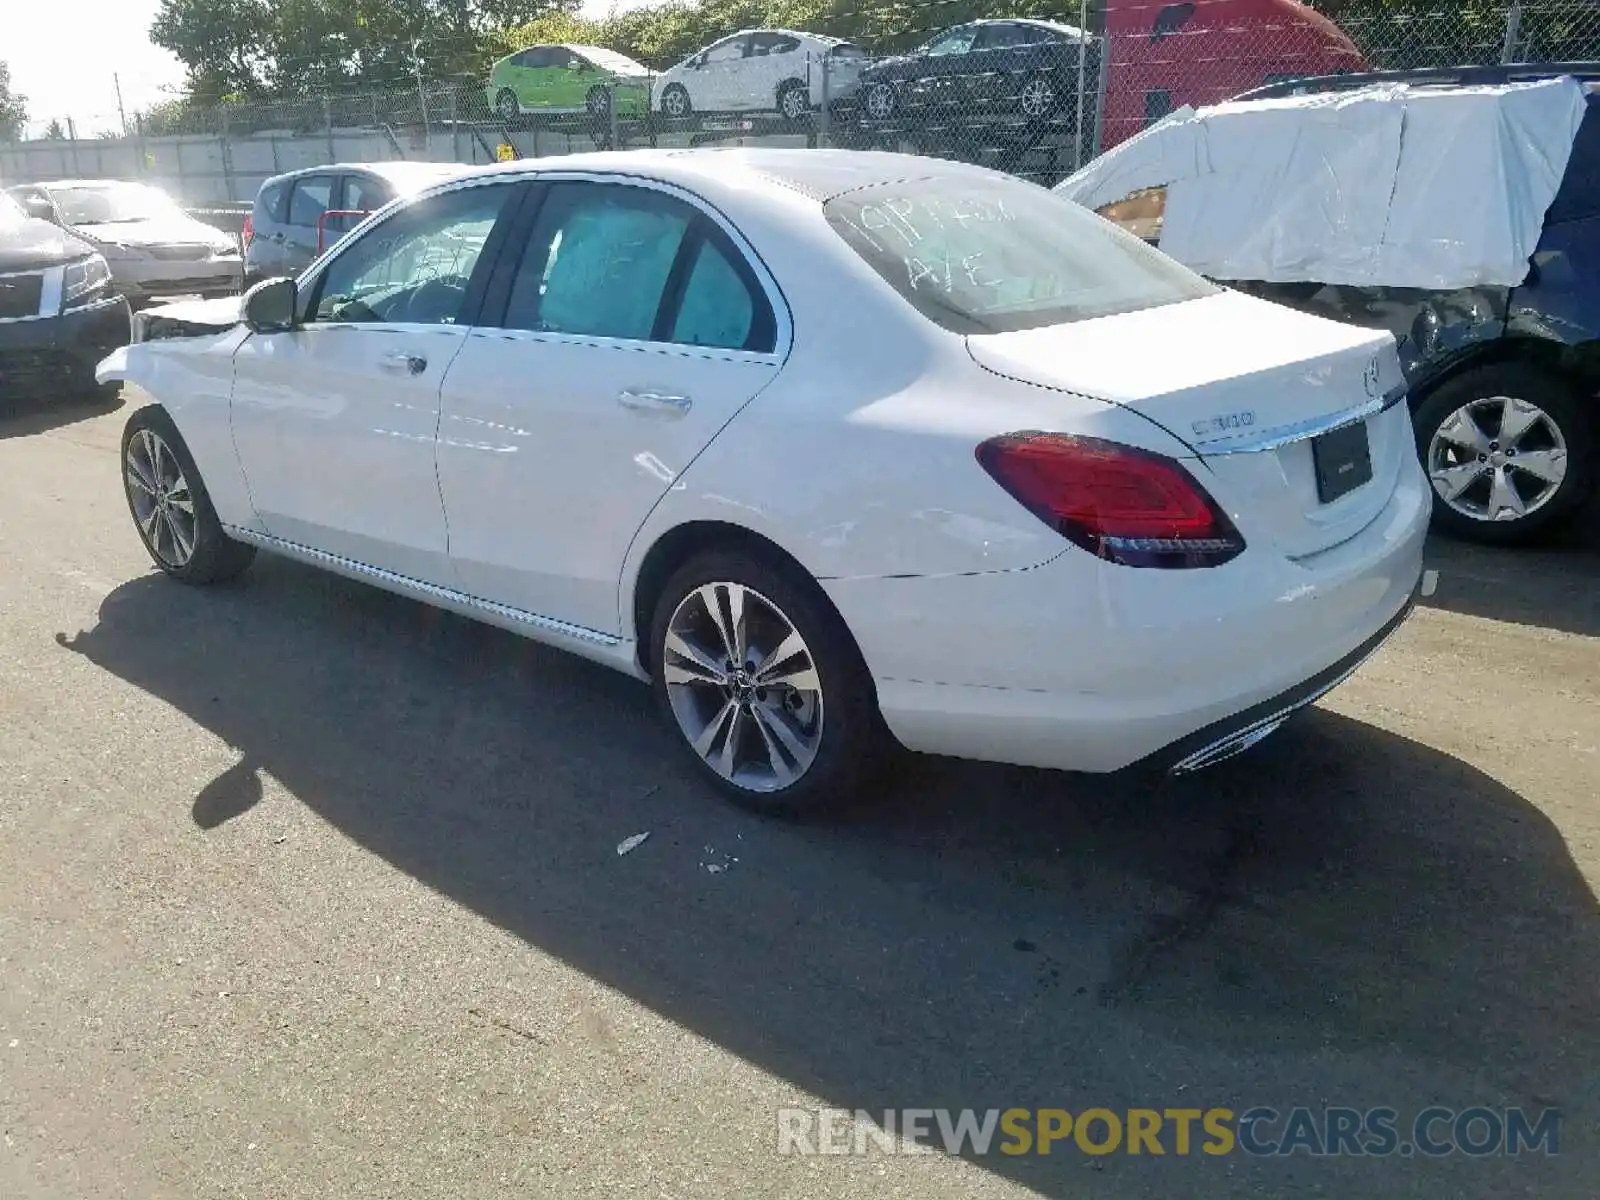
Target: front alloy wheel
{"type": "Point", "coordinates": [161, 500]}
{"type": "Point", "coordinates": [170, 505]}
{"type": "Point", "coordinates": [743, 686]}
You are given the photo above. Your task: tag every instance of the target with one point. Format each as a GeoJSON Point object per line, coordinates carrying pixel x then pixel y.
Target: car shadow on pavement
{"type": "Point", "coordinates": [1343, 904]}
{"type": "Point", "coordinates": [1554, 583]}
{"type": "Point", "coordinates": [27, 416]}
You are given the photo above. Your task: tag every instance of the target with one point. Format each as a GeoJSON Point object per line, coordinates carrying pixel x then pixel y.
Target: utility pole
{"type": "Point", "coordinates": [422, 96]}
{"type": "Point", "coordinates": [121, 113]}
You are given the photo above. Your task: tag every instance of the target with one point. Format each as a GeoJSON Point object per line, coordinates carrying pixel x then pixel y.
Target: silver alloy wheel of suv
{"type": "Point", "coordinates": [1498, 458]}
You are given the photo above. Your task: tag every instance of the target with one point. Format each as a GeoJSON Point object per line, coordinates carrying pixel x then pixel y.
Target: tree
{"type": "Point", "coordinates": [53, 132]}
{"type": "Point", "coordinates": [13, 109]}
{"type": "Point", "coordinates": [255, 49]}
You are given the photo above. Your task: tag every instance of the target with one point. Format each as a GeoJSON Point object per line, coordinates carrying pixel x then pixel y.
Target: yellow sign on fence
{"type": "Point", "coordinates": [505, 152]}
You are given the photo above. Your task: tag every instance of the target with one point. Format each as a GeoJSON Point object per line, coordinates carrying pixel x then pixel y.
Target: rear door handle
{"type": "Point", "coordinates": [655, 402]}
{"type": "Point", "coordinates": [413, 364]}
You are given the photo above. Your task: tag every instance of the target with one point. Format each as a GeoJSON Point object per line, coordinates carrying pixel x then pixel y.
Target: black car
{"type": "Point", "coordinates": [1019, 67]}
{"type": "Point", "coordinates": [1505, 382]}
{"type": "Point", "coordinates": [59, 315]}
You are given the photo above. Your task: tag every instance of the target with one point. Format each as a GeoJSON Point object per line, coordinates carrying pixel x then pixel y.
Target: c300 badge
{"type": "Point", "coordinates": [1224, 423]}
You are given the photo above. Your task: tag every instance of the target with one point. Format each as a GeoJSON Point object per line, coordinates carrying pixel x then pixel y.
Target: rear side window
{"type": "Point", "coordinates": [269, 202]}
{"type": "Point", "coordinates": [612, 261]}
{"type": "Point", "coordinates": [977, 255]}
{"type": "Point", "coordinates": [364, 195]}
{"type": "Point", "coordinates": [311, 198]}
{"type": "Point", "coordinates": [772, 43]}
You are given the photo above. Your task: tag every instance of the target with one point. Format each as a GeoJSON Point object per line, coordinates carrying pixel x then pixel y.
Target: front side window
{"type": "Point", "coordinates": [312, 197]}
{"type": "Point", "coordinates": [612, 261]}
{"type": "Point", "coordinates": [729, 51]}
{"type": "Point", "coordinates": [957, 41]}
{"type": "Point", "coordinates": [415, 267]}
{"type": "Point", "coordinates": [364, 195]}
{"type": "Point", "coordinates": [1001, 37]}
{"type": "Point", "coordinates": [977, 255]}
{"type": "Point", "coordinates": [1171, 19]}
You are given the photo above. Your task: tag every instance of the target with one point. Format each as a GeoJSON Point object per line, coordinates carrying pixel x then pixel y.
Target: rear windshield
{"type": "Point", "coordinates": [979, 255]}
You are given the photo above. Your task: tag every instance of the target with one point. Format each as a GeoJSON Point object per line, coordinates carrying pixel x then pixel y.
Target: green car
{"type": "Point", "coordinates": [568, 79]}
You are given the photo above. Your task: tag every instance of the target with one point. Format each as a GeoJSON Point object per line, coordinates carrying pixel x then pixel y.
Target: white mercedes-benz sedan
{"type": "Point", "coordinates": [827, 446]}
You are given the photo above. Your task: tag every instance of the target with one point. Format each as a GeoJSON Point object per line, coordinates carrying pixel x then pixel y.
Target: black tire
{"type": "Point", "coordinates": [598, 101]}
{"type": "Point", "coordinates": [1573, 424]}
{"type": "Point", "coordinates": [680, 94]}
{"type": "Point", "coordinates": [801, 110]}
{"type": "Point", "coordinates": [506, 105]}
{"type": "Point", "coordinates": [215, 557]}
{"type": "Point", "coordinates": [851, 737]}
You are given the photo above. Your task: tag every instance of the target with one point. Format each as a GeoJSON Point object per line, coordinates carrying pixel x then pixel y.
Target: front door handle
{"type": "Point", "coordinates": [413, 364]}
{"type": "Point", "coordinates": [655, 402]}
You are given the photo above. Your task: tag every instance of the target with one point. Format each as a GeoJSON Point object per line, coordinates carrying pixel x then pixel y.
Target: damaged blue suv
{"type": "Point", "coordinates": [1496, 313]}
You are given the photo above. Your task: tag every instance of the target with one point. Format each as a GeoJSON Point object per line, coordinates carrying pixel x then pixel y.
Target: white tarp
{"type": "Point", "coordinates": [1390, 185]}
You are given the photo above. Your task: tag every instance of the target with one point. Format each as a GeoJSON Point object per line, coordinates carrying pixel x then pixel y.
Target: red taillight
{"type": "Point", "coordinates": [1126, 505]}
{"type": "Point", "coordinates": [249, 230]}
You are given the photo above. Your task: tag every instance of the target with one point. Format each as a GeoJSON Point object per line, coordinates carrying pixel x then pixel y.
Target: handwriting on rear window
{"type": "Point", "coordinates": [967, 246]}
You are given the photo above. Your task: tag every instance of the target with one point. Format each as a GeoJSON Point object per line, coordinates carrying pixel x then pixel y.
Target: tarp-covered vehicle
{"type": "Point", "coordinates": [1459, 210]}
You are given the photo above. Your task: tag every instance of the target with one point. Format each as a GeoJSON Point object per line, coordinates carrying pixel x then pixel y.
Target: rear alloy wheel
{"type": "Point", "coordinates": [1037, 98]}
{"type": "Point", "coordinates": [1507, 450]}
{"type": "Point", "coordinates": [881, 101]}
{"type": "Point", "coordinates": [598, 101]}
{"type": "Point", "coordinates": [763, 684]}
{"type": "Point", "coordinates": [507, 106]}
{"type": "Point", "coordinates": [794, 102]}
{"type": "Point", "coordinates": [675, 102]}
{"type": "Point", "coordinates": [170, 505]}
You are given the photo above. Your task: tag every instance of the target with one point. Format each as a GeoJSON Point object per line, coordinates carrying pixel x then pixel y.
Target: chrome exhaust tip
{"type": "Point", "coordinates": [1225, 748]}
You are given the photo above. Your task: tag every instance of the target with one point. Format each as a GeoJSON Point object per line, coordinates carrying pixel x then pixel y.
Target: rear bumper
{"type": "Point", "coordinates": [1083, 665]}
{"type": "Point", "coordinates": [57, 355]}
{"type": "Point", "coordinates": [1223, 739]}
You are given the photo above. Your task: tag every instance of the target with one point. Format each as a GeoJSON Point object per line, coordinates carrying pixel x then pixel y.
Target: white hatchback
{"type": "Point", "coordinates": [761, 70]}
{"type": "Point", "coordinates": [826, 445]}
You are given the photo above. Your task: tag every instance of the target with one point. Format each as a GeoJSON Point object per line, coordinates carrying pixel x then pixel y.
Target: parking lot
{"type": "Point", "coordinates": [307, 889]}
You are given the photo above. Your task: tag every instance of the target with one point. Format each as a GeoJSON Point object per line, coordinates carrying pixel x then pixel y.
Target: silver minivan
{"type": "Point", "coordinates": [299, 214]}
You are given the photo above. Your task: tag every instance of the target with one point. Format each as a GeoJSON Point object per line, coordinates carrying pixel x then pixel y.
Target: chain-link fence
{"type": "Point", "coordinates": [1034, 95]}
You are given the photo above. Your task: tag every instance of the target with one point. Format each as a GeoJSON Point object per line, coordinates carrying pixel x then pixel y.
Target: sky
{"type": "Point", "coordinates": [65, 76]}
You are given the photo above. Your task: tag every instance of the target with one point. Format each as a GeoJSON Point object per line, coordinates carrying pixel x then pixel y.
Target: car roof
{"type": "Point", "coordinates": [817, 174]}
{"type": "Point", "coordinates": [395, 170]}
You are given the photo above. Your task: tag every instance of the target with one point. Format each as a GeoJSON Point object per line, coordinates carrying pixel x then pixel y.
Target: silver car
{"type": "Point", "coordinates": [155, 249]}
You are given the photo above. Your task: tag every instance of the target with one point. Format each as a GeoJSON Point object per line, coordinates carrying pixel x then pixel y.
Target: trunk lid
{"type": "Point", "coordinates": [1247, 385]}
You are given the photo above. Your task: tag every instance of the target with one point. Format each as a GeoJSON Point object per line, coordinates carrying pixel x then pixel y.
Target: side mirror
{"type": "Point", "coordinates": [269, 306]}
{"type": "Point", "coordinates": [37, 206]}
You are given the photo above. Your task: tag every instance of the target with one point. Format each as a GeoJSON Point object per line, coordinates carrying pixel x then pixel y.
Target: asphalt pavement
{"type": "Point", "coordinates": [310, 891]}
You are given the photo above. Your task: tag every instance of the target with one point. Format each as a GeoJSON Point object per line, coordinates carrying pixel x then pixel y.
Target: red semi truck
{"type": "Point", "coordinates": [1168, 54]}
